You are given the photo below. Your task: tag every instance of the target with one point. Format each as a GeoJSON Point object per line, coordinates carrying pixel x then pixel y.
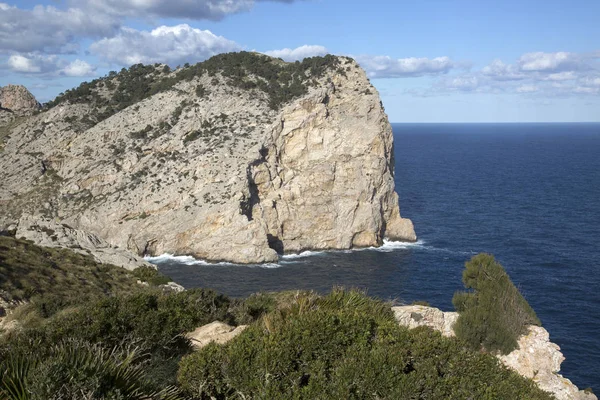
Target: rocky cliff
{"type": "Point", "coordinates": [237, 158]}
{"type": "Point", "coordinates": [536, 358]}
{"type": "Point", "coordinates": [17, 99]}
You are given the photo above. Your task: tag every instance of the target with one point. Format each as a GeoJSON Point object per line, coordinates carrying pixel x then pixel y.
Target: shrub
{"type": "Point", "coordinates": [73, 369]}
{"type": "Point", "coordinates": [52, 279]}
{"type": "Point", "coordinates": [345, 345]}
{"type": "Point", "coordinates": [494, 314]}
{"type": "Point", "coordinates": [151, 275]}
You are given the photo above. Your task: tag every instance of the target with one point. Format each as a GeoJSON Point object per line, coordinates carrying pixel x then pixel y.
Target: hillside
{"type": "Point", "coordinates": [237, 158]}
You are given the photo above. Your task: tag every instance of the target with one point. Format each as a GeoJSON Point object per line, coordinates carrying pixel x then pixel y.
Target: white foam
{"type": "Point", "coordinates": [307, 253]}
{"type": "Point", "coordinates": [389, 245]}
{"type": "Point", "coordinates": [267, 265]}
{"type": "Point", "coordinates": [187, 260]}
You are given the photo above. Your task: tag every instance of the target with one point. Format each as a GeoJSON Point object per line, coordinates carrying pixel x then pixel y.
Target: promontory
{"type": "Point", "coordinates": [237, 158]}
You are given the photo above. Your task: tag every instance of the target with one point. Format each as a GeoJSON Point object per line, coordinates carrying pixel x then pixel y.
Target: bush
{"type": "Point", "coordinates": [151, 275]}
{"type": "Point", "coordinates": [52, 279]}
{"type": "Point", "coordinates": [151, 321]}
{"type": "Point", "coordinates": [345, 345]}
{"type": "Point", "coordinates": [494, 314]}
{"type": "Point", "coordinates": [74, 370]}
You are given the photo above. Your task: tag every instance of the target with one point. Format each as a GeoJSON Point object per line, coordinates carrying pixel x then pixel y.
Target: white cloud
{"type": "Point", "coordinates": [165, 44]}
{"type": "Point", "coordinates": [48, 29]}
{"type": "Point", "coordinates": [500, 71]}
{"type": "Point", "coordinates": [561, 76]}
{"type": "Point", "coordinates": [463, 83]}
{"type": "Point", "coordinates": [387, 67]}
{"type": "Point", "coordinates": [33, 64]}
{"type": "Point", "coordinates": [18, 63]}
{"type": "Point", "coordinates": [298, 53]}
{"type": "Point", "coordinates": [540, 61]}
{"type": "Point", "coordinates": [214, 10]}
{"type": "Point", "coordinates": [78, 68]}
{"type": "Point", "coordinates": [48, 66]}
{"type": "Point", "coordinates": [527, 89]}
{"type": "Point", "coordinates": [586, 90]}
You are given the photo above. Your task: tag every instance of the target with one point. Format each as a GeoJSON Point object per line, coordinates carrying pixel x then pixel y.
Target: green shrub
{"type": "Point", "coordinates": [74, 370]}
{"type": "Point", "coordinates": [345, 346]}
{"type": "Point", "coordinates": [494, 314]}
{"type": "Point", "coordinates": [52, 279]}
{"type": "Point", "coordinates": [155, 321]}
{"type": "Point", "coordinates": [151, 275]}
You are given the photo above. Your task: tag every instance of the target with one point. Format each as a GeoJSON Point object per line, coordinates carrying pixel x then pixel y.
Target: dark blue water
{"type": "Point", "coordinates": [527, 193]}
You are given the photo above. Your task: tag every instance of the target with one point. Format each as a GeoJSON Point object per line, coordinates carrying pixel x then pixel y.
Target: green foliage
{"type": "Point", "coordinates": [494, 314]}
{"type": "Point", "coordinates": [142, 134]}
{"type": "Point", "coordinates": [151, 321]}
{"type": "Point", "coordinates": [73, 369]}
{"type": "Point", "coordinates": [345, 346]}
{"type": "Point", "coordinates": [279, 80]}
{"type": "Point", "coordinates": [53, 278]}
{"type": "Point", "coordinates": [151, 275]}
{"type": "Point", "coordinates": [201, 91]}
{"type": "Point", "coordinates": [253, 307]}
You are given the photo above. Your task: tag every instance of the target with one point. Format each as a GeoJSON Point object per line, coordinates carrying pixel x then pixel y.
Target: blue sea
{"type": "Point", "coordinates": [527, 193]}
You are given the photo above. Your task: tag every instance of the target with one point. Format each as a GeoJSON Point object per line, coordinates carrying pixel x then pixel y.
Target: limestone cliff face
{"type": "Point", "coordinates": [536, 358]}
{"type": "Point", "coordinates": [17, 98]}
{"type": "Point", "coordinates": [212, 169]}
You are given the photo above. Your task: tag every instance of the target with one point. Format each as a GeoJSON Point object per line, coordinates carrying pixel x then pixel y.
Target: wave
{"type": "Point", "coordinates": [388, 246]}
{"type": "Point", "coordinates": [306, 253]}
{"type": "Point", "coordinates": [187, 260]}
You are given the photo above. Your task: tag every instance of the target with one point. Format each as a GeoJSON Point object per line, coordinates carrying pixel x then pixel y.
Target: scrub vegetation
{"type": "Point", "coordinates": [102, 335]}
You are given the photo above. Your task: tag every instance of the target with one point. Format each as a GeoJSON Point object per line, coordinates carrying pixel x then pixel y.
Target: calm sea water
{"type": "Point", "coordinates": [527, 193]}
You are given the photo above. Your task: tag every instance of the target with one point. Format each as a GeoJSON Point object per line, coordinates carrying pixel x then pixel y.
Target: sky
{"type": "Point", "coordinates": [431, 60]}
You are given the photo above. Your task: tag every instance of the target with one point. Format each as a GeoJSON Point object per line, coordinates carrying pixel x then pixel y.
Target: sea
{"type": "Point", "coordinates": [527, 193]}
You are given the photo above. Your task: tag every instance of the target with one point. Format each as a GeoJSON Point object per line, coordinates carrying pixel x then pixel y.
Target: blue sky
{"type": "Point", "coordinates": [431, 60]}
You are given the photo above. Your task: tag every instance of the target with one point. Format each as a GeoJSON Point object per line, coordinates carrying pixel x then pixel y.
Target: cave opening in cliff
{"type": "Point", "coordinates": [275, 243]}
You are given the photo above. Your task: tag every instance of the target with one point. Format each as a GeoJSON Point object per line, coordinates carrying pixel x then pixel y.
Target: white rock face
{"type": "Point", "coordinates": [50, 234]}
{"type": "Point", "coordinates": [414, 315]}
{"type": "Point", "coordinates": [218, 332]}
{"type": "Point", "coordinates": [315, 174]}
{"type": "Point", "coordinates": [537, 358]}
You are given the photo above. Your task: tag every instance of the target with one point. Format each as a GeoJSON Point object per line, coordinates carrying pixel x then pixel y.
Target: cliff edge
{"type": "Point", "coordinates": [536, 357]}
{"type": "Point", "coordinates": [236, 159]}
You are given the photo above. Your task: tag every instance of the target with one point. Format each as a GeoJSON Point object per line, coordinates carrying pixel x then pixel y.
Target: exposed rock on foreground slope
{"type": "Point", "coordinates": [235, 159]}
{"type": "Point", "coordinates": [536, 358]}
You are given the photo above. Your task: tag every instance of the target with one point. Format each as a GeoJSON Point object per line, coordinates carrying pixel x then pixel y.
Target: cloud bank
{"type": "Point", "coordinates": [166, 44]}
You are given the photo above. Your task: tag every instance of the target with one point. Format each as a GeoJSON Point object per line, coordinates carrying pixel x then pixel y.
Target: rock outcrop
{"type": "Point", "coordinates": [218, 332]}
{"type": "Point", "coordinates": [18, 99]}
{"type": "Point", "coordinates": [212, 166]}
{"type": "Point", "coordinates": [415, 315]}
{"type": "Point", "coordinates": [51, 234]}
{"type": "Point", "coordinates": [536, 358]}
{"type": "Point", "coordinates": [539, 359]}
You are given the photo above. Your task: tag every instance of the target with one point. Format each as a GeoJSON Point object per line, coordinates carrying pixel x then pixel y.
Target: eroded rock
{"type": "Point", "coordinates": [415, 315]}
{"type": "Point", "coordinates": [536, 358]}
{"type": "Point", "coordinates": [18, 99]}
{"type": "Point", "coordinates": [51, 234]}
{"type": "Point", "coordinates": [218, 332]}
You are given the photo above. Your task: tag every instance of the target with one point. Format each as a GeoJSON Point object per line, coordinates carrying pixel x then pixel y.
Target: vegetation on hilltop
{"type": "Point", "coordinates": [494, 314]}
{"type": "Point", "coordinates": [281, 81]}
